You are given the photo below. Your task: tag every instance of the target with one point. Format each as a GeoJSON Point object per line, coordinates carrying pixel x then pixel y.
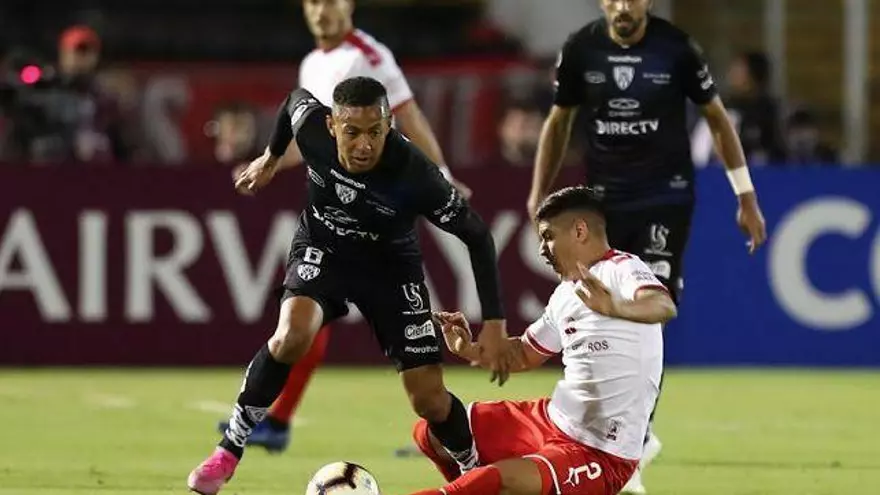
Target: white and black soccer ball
{"type": "Point", "coordinates": [343, 478]}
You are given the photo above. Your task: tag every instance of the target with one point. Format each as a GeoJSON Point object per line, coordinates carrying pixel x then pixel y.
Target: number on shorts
{"type": "Point", "coordinates": [313, 256]}
{"type": "Point", "coordinates": [593, 470]}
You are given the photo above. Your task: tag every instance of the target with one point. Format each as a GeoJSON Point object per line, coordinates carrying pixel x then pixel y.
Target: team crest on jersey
{"type": "Point", "coordinates": [623, 76]}
{"type": "Point", "coordinates": [345, 193]}
{"type": "Point", "coordinates": [307, 271]}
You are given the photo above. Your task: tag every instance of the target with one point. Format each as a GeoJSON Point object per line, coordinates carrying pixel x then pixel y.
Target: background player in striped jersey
{"type": "Point", "coordinates": [342, 52]}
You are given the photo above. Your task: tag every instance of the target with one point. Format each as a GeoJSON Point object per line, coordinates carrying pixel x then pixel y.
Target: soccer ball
{"type": "Point", "coordinates": [343, 478]}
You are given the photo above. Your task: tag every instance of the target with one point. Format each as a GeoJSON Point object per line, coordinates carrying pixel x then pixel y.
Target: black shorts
{"type": "Point", "coordinates": [397, 307]}
{"type": "Point", "coordinates": [658, 235]}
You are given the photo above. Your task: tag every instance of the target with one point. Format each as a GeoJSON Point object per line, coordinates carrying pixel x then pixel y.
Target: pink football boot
{"type": "Point", "coordinates": [210, 476]}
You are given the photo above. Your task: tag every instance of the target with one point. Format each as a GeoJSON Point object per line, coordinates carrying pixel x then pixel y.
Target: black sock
{"type": "Point", "coordinates": [455, 433]}
{"type": "Point", "coordinates": [263, 381]}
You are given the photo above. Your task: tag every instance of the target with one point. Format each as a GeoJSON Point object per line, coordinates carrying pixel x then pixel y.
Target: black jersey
{"type": "Point", "coordinates": [634, 101]}
{"type": "Point", "coordinates": [368, 220]}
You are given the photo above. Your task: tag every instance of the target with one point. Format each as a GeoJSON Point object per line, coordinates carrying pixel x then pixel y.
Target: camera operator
{"type": "Point", "coordinates": [63, 115]}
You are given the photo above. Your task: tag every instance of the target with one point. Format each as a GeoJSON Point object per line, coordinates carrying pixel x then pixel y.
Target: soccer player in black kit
{"type": "Point", "coordinates": [357, 242]}
{"type": "Point", "coordinates": [631, 73]}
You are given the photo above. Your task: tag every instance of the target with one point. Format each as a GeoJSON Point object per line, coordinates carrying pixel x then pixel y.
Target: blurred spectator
{"type": "Point", "coordinates": [754, 111]}
{"type": "Point", "coordinates": [63, 114]}
{"type": "Point", "coordinates": [235, 130]}
{"type": "Point", "coordinates": [803, 142]}
{"type": "Point", "coordinates": [543, 26]}
{"type": "Point", "coordinates": [518, 132]}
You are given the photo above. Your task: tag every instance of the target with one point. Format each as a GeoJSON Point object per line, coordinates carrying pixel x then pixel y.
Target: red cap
{"type": "Point", "coordinates": [79, 36]}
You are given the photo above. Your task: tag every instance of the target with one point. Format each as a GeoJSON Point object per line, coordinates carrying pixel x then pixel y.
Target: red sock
{"type": "Point", "coordinates": [479, 481]}
{"type": "Point", "coordinates": [298, 379]}
{"type": "Point", "coordinates": [449, 470]}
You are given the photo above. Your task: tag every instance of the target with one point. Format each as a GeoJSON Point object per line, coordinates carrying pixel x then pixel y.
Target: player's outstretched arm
{"type": "Point", "coordinates": [730, 150]}
{"type": "Point", "coordinates": [551, 150]}
{"type": "Point", "coordinates": [459, 341]}
{"type": "Point", "coordinates": [282, 150]}
{"type": "Point", "coordinates": [443, 206]}
{"type": "Point", "coordinates": [292, 157]}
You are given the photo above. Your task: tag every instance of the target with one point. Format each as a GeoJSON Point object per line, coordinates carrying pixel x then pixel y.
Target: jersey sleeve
{"type": "Point", "coordinates": [440, 202]}
{"type": "Point", "coordinates": [699, 86]}
{"type": "Point", "coordinates": [634, 275]}
{"type": "Point", "coordinates": [543, 336]}
{"type": "Point", "coordinates": [292, 115]}
{"type": "Point", "coordinates": [569, 84]}
{"type": "Point", "coordinates": [391, 76]}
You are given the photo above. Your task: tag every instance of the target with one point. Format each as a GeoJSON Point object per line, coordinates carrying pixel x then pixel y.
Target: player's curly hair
{"type": "Point", "coordinates": [570, 199]}
{"type": "Point", "coordinates": [360, 92]}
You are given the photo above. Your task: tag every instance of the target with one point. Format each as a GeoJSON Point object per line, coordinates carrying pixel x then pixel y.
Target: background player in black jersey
{"type": "Point", "coordinates": [357, 242]}
{"type": "Point", "coordinates": [631, 73]}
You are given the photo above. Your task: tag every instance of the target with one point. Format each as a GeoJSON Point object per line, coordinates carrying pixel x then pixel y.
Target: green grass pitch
{"type": "Point", "coordinates": [139, 432]}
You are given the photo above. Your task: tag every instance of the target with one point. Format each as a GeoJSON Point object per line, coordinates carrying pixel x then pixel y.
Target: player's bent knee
{"type": "Point", "coordinates": [299, 321]}
{"type": "Point", "coordinates": [524, 477]}
{"type": "Point", "coordinates": [427, 394]}
{"type": "Point", "coordinates": [431, 405]}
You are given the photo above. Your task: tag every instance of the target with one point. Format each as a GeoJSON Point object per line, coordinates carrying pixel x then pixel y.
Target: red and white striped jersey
{"type": "Point", "coordinates": [359, 55]}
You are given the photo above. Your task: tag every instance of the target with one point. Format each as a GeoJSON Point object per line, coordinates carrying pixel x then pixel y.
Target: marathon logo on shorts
{"type": "Point", "coordinates": [416, 332]}
{"type": "Point", "coordinates": [638, 128]}
{"type": "Point", "coordinates": [428, 349]}
{"type": "Point", "coordinates": [307, 271]}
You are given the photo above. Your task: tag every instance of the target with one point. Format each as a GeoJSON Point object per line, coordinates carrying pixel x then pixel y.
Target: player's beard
{"type": "Point", "coordinates": [626, 30]}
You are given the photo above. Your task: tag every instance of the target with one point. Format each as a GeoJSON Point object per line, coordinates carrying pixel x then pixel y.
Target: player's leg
{"type": "Point", "coordinates": [433, 450]}
{"type": "Point", "coordinates": [308, 303]}
{"type": "Point", "coordinates": [399, 311]}
{"type": "Point", "coordinates": [283, 408]}
{"type": "Point", "coordinates": [510, 477]}
{"type": "Point", "coordinates": [663, 238]}
{"type": "Point", "coordinates": [273, 433]}
{"type": "Point", "coordinates": [299, 321]}
{"type": "Point", "coordinates": [444, 412]}
{"type": "Point", "coordinates": [501, 430]}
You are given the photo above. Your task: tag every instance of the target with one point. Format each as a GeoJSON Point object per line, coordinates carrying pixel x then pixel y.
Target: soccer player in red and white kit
{"type": "Point", "coordinates": [605, 319]}
{"type": "Point", "coordinates": [342, 52]}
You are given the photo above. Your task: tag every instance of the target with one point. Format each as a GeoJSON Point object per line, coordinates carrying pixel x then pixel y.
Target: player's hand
{"type": "Point", "coordinates": [238, 170]}
{"type": "Point", "coordinates": [594, 294]}
{"type": "Point", "coordinates": [464, 190]}
{"type": "Point", "coordinates": [751, 221]}
{"type": "Point", "coordinates": [457, 334]}
{"type": "Point", "coordinates": [496, 352]}
{"type": "Point", "coordinates": [256, 175]}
